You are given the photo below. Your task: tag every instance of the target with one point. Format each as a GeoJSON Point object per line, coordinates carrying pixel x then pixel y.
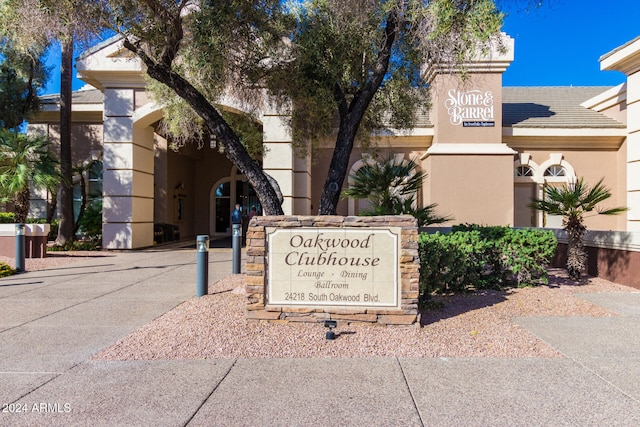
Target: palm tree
{"type": "Point", "coordinates": [38, 24]}
{"type": "Point", "coordinates": [25, 160]}
{"type": "Point", "coordinates": [572, 201]}
{"type": "Point", "coordinates": [391, 185]}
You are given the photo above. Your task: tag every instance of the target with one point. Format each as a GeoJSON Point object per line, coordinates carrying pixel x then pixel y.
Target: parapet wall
{"type": "Point", "coordinates": [365, 259]}
{"type": "Point", "coordinates": [612, 255]}
{"type": "Point", "coordinates": [35, 240]}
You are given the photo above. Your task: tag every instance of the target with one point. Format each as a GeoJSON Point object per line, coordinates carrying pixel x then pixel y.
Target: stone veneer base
{"type": "Point", "coordinates": [256, 275]}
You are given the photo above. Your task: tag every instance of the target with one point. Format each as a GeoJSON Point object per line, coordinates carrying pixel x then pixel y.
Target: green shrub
{"type": "Point", "coordinates": [77, 245]}
{"type": "Point", "coordinates": [526, 254]}
{"type": "Point", "coordinates": [6, 218]}
{"type": "Point", "coordinates": [55, 226]}
{"type": "Point", "coordinates": [6, 270]}
{"type": "Point", "coordinates": [91, 221]}
{"type": "Point", "coordinates": [36, 221]}
{"type": "Point", "coordinates": [522, 255]}
{"type": "Point", "coordinates": [477, 257]}
{"type": "Point", "coordinates": [456, 262]}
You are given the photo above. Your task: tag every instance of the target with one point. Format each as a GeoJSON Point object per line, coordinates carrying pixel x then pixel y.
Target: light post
{"type": "Point", "coordinates": [236, 239]}
{"type": "Point", "coordinates": [202, 265]}
{"type": "Point", "coordinates": [237, 248]}
{"type": "Point", "coordinates": [20, 247]}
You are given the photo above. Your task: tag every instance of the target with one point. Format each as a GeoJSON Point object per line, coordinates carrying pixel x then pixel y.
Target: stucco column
{"type": "Point", "coordinates": [470, 169]}
{"type": "Point", "coordinates": [280, 161]}
{"type": "Point", "coordinates": [128, 174]}
{"type": "Point", "coordinates": [302, 185]}
{"type": "Point", "coordinates": [633, 152]}
{"type": "Point", "coordinates": [626, 59]}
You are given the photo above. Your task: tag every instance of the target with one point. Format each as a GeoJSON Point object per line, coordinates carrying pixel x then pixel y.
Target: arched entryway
{"type": "Point", "coordinates": [224, 195]}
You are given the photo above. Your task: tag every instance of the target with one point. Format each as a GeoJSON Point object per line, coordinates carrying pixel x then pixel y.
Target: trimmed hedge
{"type": "Point", "coordinates": [478, 257]}
{"type": "Point", "coordinates": [6, 270]}
{"type": "Point", "coordinates": [6, 218]}
{"type": "Point", "coordinates": [76, 245]}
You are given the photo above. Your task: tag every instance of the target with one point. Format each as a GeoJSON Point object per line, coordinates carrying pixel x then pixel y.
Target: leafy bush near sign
{"type": "Point", "coordinates": [478, 257]}
{"type": "Point", "coordinates": [6, 270]}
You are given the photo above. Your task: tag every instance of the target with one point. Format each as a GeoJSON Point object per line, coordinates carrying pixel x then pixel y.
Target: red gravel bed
{"type": "Point", "coordinates": [473, 325]}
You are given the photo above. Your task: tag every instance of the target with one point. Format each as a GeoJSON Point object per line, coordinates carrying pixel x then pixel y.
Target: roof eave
{"type": "Point", "coordinates": [625, 58]}
{"type": "Point", "coordinates": [545, 138]}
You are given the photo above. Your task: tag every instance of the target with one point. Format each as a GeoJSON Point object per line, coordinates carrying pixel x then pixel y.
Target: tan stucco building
{"type": "Point", "coordinates": [487, 149]}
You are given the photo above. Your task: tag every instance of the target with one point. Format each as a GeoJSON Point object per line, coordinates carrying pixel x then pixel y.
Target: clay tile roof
{"type": "Point", "coordinates": [83, 96]}
{"type": "Point", "coordinates": [539, 106]}
{"type": "Point", "coordinates": [553, 107]}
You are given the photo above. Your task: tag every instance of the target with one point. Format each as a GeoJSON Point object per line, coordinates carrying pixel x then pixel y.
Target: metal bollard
{"type": "Point", "coordinates": [20, 247]}
{"type": "Point", "coordinates": [237, 247]}
{"type": "Point", "coordinates": [202, 265]}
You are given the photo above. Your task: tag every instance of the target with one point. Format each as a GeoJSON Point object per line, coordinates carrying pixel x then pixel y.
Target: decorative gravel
{"type": "Point", "coordinates": [479, 324]}
{"type": "Point", "coordinates": [472, 325]}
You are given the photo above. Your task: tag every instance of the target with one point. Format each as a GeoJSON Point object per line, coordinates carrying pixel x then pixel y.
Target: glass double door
{"type": "Point", "coordinates": [227, 195]}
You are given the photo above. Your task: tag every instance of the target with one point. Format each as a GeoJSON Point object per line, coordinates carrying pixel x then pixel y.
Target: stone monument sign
{"type": "Point", "coordinates": [341, 267]}
{"type": "Point", "coordinates": [313, 268]}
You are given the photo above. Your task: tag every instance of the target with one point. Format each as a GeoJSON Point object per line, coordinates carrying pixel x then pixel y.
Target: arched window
{"type": "Point", "coordinates": [94, 178]}
{"type": "Point", "coordinates": [92, 192]}
{"type": "Point", "coordinates": [523, 170]}
{"type": "Point", "coordinates": [222, 208]}
{"type": "Point", "coordinates": [555, 171]}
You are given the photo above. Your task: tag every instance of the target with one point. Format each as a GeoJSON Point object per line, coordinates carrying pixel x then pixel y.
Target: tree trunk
{"type": "Point", "coordinates": [21, 206]}
{"type": "Point", "coordinates": [339, 165]}
{"type": "Point", "coordinates": [53, 204]}
{"type": "Point", "coordinates": [576, 255]}
{"type": "Point", "coordinates": [234, 150]}
{"type": "Point", "coordinates": [65, 232]}
{"type": "Point", "coordinates": [351, 115]}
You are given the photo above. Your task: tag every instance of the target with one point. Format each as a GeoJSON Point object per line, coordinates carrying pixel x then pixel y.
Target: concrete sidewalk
{"type": "Point", "coordinates": [53, 321]}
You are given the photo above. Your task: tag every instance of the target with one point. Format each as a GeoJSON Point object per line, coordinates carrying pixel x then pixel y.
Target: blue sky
{"type": "Point", "coordinates": [559, 43]}
{"type": "Point", "coordinates": [556, 44]}
{"type": "Point", "coordinates": [53, 60]}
